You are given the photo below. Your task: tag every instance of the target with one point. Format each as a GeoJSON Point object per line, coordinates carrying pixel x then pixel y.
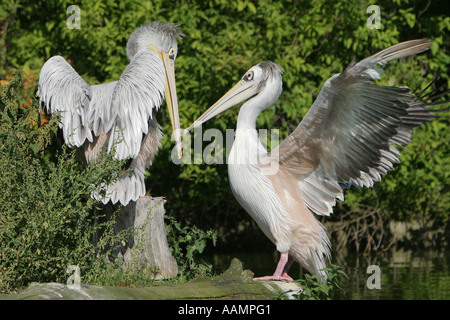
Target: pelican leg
{"type": "Point", "coordinates": [281, 272]}
{"type": "Point", "coordinates": [287, 266]}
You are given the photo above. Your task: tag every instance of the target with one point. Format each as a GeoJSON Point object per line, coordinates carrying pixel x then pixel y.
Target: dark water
{"type": "Point", "coordinates": [403, 275]}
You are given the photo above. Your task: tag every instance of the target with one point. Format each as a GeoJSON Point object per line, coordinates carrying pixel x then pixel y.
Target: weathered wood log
{"type": "Point", "coordinates": [235, 283]}
{"type": "Point", "coordinates": [148, 247]}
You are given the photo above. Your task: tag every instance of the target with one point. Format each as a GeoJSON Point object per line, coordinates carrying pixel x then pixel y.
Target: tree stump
{"type": "Point", "coordinates": [148, 246]}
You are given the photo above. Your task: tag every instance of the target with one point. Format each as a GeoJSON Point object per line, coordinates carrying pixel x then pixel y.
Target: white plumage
{"type": "Point", "coordinates": [119, 113]}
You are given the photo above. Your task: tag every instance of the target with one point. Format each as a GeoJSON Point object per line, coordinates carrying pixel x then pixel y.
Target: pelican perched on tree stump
{"type": "Point", "coordinates": [348, 137]}
{"type": "Point", "coordinates": [119, 113]}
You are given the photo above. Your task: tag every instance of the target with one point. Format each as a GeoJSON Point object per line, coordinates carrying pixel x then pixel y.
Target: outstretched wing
{"type": "Point", "coordinates": [63, 91]}
{"type": "Point", "coordinates": [348, 135]}
{"type": "Point", "coordinates": [139, 90]}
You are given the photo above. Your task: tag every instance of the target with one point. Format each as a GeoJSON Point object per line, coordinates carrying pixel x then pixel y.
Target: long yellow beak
{"type": "Point", "coordinates": [240, 92]}
{"type": "Point", "coordinates": [171, 99]}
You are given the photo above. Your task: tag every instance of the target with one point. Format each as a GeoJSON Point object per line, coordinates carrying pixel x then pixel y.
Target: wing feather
{"type": "Point", "coordinates": [140, 89]}
{"type": "Point", "coordinates": [99, 114]}
{"type": "Point", "coordinates": [62, 90]}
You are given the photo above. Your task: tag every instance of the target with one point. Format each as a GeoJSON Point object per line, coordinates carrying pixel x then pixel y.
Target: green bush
{"type": "Point", "coordinates": [186, 244]}
{"type": "Point", "coordinates": [312, 289]}
{"type": "Point", "coordinates": [46, 213]}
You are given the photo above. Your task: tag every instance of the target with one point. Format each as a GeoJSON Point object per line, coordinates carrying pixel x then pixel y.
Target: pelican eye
{"type": "Point", "coordinates": [248, 76]}
{"type": "Point", "coordinates": [172, 53]}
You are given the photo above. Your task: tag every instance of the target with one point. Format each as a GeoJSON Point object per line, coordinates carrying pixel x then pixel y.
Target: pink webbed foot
{"type": "Point", "coordinates": [281, 272]}
{"type": "Point", "coordinates": [283, 277]}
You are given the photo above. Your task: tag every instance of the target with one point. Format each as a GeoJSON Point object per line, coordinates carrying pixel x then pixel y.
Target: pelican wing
{"type": "Point", "coordinates": [62, 90]}
{"type": "Point", "coordinates": [348, 136]}
{"type": "Point", "coordinates": [139, 90]}
{"type": "Point", "coordinates": [99, 113]}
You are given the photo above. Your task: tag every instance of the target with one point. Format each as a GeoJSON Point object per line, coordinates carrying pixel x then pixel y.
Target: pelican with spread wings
{"type": "Point", "coordinates": [348, 137]}
{"type": "Point", "coordinates": [119, 113]}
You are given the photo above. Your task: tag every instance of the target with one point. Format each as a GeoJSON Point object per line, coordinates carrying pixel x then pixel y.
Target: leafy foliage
{"type": "Point", "coordinates": [311, 40]}
{"type": "Point", "coordinates": [315, 290]}
{"type": "Point", "coordinates": [46, 220]}
{"type": "Point", "coordinates": [186, 243]}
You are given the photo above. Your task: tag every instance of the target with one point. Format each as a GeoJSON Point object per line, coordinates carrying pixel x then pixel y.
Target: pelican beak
{"type": "Point", "coordinates": [171, 99]}
{"type": "Point", "coordinates": [240, 92]}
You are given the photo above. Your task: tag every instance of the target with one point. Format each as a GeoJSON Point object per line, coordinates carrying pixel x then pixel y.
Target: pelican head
{"type": "Point", "coordinates": [161, 39]}
{"type": "Point", "coordinates": [263, 80]}
{"type": "Point", "coordinates": [162, 36]}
